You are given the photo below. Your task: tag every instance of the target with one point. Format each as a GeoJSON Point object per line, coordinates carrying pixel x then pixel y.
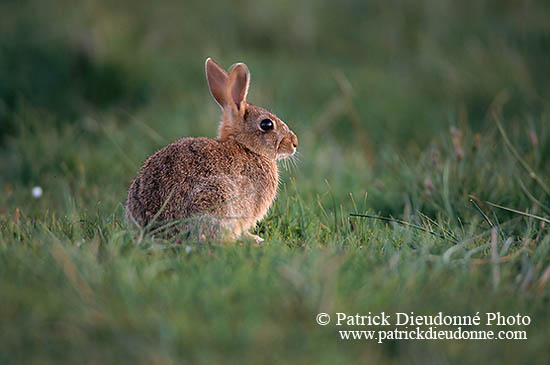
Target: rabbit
{"type": "Point", "coordinates": [215, 188]}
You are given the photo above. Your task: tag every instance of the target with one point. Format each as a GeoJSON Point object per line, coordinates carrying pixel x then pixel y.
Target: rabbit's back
{"type": "Point", "coordinates": [202, 176]}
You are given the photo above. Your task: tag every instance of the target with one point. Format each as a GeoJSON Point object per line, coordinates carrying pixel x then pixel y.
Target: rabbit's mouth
{"type": "Point", "coordinates": [287, 147]}
{"type": "Point", "coordinates": [283, 155]}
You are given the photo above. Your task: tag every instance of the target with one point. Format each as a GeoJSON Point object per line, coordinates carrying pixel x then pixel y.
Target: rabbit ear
{"type": "Point", "coordinates": [237, 86]}
{"type": "Point", "coordinates": [217, 81]}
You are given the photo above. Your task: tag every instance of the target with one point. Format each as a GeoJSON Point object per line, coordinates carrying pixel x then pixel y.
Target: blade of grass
{"type": "Point", "coordinates": [518, 212]}
{"type": "Point", "coordinates": [393, 220]}
{"type": "Point", "coordinates": [515, 153]}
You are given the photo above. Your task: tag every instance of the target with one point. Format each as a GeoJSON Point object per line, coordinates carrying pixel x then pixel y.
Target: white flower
{"type": "Point", "coordinates": [37, 192]}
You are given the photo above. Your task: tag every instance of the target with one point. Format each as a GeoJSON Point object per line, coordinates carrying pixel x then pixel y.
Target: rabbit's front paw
{"type": "Point", "coordinates": [257, 239]}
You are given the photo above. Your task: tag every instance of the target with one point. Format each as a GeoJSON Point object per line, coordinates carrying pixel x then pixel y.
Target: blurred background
{"type": "Point", "coordinates": [93, 85]}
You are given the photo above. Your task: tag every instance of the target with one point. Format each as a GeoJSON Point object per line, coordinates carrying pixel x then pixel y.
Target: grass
{"type": "Point", "coordinates": [434, 114]}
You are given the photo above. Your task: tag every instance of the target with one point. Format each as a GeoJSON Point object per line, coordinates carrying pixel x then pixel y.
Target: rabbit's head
{"type": "Point", "coordinates": [256, 128]}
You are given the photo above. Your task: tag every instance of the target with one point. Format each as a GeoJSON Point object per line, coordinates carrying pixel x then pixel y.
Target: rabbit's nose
{"type": "Point", "coordinates": [294, 140]}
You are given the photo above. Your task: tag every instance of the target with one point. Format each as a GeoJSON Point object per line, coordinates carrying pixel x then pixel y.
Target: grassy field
{"type": "Point", "coordinates": [410, 110]}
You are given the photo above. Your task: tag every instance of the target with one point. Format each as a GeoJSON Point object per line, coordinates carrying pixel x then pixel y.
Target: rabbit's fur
{"type": "Point", "coordinates": [215, 188]}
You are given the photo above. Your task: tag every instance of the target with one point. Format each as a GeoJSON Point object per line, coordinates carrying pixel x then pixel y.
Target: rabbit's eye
{"type": "Point", "coordinates": [266, 125]}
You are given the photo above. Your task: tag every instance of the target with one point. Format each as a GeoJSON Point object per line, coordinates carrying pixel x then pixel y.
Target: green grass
{"type": "Point", "coordinates": [396, 107]}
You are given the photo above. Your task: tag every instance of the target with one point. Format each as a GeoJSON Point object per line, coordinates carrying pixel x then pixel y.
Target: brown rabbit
{"type": "Point", "coordinates": [215, 188]}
